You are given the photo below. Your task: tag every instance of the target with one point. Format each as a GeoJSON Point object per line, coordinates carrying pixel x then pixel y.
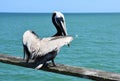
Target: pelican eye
{"type": "Point", "coordinates": [61, 19]}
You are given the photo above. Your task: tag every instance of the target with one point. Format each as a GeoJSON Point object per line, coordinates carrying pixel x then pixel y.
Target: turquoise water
{"type": "Point", "coordinates": [96, 43]}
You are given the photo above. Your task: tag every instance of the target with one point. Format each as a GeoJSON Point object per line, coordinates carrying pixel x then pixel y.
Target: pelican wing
{"type": "Point", "coordinates": [47, 45]}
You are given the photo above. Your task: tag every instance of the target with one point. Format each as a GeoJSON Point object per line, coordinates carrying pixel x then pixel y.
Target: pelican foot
{"type": "Point", "coordinates": [54, 64]}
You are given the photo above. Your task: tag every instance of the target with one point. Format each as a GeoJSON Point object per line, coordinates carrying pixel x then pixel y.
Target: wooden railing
{"type": "Point", "coordinates": [81, 72]}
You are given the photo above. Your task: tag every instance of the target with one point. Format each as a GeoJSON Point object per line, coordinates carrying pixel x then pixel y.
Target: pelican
{"type": "Point", "coordinates": [42, 50]}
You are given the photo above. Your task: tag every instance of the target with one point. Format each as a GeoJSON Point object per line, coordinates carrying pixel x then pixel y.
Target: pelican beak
{"type": "Point", "coordinates": [62, 26]}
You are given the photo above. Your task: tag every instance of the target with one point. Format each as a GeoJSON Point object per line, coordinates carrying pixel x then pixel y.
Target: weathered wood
{"type": "Point", "coordinates": [97, 75]}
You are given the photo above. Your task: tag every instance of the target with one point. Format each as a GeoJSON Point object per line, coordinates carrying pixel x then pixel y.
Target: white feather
{"type": "Point", "coordinates": [39, 66]}
{"type": "Point", "coordinates": [43, 46]}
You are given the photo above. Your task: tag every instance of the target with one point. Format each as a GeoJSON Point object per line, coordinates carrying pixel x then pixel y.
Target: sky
{"type": "Point", "coordinates": [68, 6]}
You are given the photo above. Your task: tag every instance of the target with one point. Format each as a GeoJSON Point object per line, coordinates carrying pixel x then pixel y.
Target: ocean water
{"type": "Point", "coordinates": [96, 43]}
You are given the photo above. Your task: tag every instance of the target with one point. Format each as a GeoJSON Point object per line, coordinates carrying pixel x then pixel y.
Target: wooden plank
{"type": "Point", "coordinates": [92, 74]}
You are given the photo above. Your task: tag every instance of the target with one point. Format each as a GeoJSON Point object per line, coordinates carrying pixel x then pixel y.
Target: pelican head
{"type": "Point", "coordinates": [59, 22]}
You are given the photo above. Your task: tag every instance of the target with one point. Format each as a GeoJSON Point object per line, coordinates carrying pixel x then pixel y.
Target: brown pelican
{"type": "Point", "coordinates": [45, 49]}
